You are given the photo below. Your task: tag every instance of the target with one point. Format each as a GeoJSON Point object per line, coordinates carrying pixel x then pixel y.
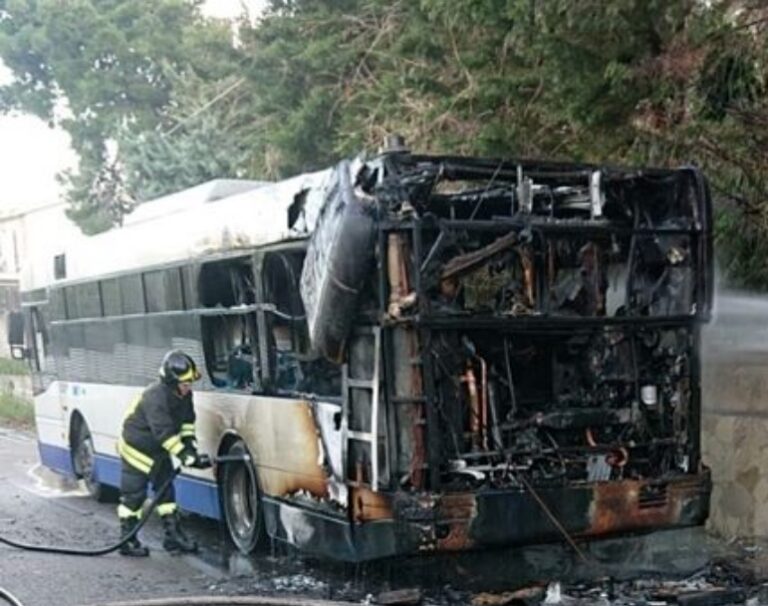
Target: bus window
{"type": "Point", "coordinates": [228, 350]}
{"type": "Point", "coordinates": [295, 366]}
{"type": "Point", "coordinates": [163, 290]}
{"type": "Point", "coordinates": [229, 336]}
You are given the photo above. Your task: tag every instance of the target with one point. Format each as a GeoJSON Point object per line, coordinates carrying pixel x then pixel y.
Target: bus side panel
{"type": "Point", "coordinates": [198, 495]}
{"type": "Point", "coordinates": [280, 433]}
{"type": "Point", "coordinates": [51, 432]}
{"type": "Point", "coordinates": [297, 452]}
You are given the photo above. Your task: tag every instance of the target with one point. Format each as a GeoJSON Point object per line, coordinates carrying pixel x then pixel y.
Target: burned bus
{"type": "Point", "coordinates": [420, 353]}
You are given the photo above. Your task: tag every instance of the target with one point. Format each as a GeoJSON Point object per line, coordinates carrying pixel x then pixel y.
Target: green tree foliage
{"type": "Point", "coordinates": [488, 77]}
{"type": "Point", "coordinates": [212, 137]}
{"type": "Point", "coordinates": [103, 68]}
{"type": "Point", "coordinates": [662, 82]}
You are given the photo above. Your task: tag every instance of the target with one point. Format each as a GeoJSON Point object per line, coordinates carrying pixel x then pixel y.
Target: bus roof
{"type": "Point", "coordinates": [228, 216]}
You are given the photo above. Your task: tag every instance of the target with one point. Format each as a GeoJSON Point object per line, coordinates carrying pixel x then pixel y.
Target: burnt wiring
{"type": "Point", "coordinates": [558, 453]}
{"type": "Point", "coordinates": [521, 480]}
{"type": "Point", "coordinates": [287, 317]}
{"type": "Point", "coordinates": [511, 384]}
{"type": "Point", "coordinates": [485, 191]}
{"type": "Point", "coordinates": [631, 256]}
{"type": "Point", "coordinates": [437, 358]}
{"type": "Point", "coordinates": [519, 477]}
{"type": "Point", "coordinates": [553, 518]}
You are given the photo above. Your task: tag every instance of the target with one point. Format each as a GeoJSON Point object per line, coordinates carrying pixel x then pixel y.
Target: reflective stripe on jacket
{"type": "Point", "coordinates": [159, 421]}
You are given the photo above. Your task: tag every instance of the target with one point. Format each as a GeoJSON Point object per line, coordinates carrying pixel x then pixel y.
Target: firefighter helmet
{"type": "Point", "coordinates": [178, 367]}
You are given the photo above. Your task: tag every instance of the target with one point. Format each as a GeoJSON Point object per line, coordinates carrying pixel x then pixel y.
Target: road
{"type": "Point", "coordinates": [40, 507]}
{"type": "Point", "coordinates": [37, 506]}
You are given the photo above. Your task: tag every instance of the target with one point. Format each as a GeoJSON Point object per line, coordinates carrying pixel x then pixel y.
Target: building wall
{"type": "Point", "coordinates": [11, 241]}
{"type": "Point", "coordinates": [735, 415]}
{"type": "Point", "coordinates": [46, 232]}
{"type": "Point", "coordinates": [28, 241]}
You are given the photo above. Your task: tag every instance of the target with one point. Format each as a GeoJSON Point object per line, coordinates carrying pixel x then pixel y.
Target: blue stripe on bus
{"type": "Point", "coordinates": [57, 458]}
{"type": "Point", "coordinates": [106, 469]}
{"type": "Point", "coordinates": [198, 496]}
{"type": "Point", "coordinates": [192, 494]}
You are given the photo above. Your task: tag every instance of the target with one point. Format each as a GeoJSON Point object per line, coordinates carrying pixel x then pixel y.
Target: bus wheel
{"type": "Point", "coordinates": [241, 498]}
{"type": "Point", "coordinates": [83, 461]}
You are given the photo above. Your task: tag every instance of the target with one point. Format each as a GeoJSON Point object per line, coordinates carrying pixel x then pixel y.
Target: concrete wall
{"type": "Point", "coordinates": [735, 415]}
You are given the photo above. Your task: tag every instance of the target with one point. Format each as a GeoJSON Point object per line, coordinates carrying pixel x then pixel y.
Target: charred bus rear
{"type": "Point", "coordinates": [520, 345]}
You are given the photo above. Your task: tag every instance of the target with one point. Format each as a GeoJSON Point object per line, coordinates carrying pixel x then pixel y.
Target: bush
{"type": "Point", "coordinates": [13, 367]}
{"type": "Point", "coordinates": [16, 410]}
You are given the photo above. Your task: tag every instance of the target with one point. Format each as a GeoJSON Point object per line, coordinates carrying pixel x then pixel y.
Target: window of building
{"type": "Point", "coordinates": [60, 267]}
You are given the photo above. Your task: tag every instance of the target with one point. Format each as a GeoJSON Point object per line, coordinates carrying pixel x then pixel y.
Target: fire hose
{"type": "Point", "coordinates": [8, 597]}
{"type": "Point", "coordinates": [110, 548]}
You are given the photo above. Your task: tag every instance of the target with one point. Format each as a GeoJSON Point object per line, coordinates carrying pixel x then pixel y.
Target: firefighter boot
{"type": "Point", "coordinates": [176, 541]}
{"type": "Point", "coordinates": [133, 547]}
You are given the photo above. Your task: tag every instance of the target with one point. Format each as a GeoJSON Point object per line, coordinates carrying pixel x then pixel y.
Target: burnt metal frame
{"type": "Point", "coordinates": [371, 437]}
{"type": "Point", "coordinates": [425, 322]}
{"type": "Point", "coordinates": [442, 320]}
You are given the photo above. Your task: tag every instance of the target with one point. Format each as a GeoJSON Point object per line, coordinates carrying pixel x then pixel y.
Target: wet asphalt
{"type": "Point", "coordinates": [38, 506]}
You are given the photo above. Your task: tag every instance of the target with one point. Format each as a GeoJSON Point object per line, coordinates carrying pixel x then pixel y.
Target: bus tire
{"type": "Point", "coordinates": [241, 501]}
{"type": "Point", "coordinates": [83, 462]}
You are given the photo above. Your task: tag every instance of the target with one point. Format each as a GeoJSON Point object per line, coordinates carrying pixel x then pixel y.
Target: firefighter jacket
{"type": "Point", "coordinates": [157, 423]}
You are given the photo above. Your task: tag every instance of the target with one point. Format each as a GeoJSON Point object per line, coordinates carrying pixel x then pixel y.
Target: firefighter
{"type": "Point", "coordinates": [158, 424]}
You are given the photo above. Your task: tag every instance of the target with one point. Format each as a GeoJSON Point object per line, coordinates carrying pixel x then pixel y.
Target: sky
{"type": "Point", "coordinates": [31, 153]}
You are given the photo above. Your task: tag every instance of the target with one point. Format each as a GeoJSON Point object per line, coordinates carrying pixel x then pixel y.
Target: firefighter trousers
{"type": "Point", "coordinates": [134, 484]}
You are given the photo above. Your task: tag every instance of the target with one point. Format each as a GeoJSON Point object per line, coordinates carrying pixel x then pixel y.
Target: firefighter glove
{"type": "Point", "coordinates": [189, 457]}
{"type": "Point", "coordinates": [202, 461]}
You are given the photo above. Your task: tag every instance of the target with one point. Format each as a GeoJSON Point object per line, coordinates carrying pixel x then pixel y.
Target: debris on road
{"type": "Point", "coordinates": [401, 597]}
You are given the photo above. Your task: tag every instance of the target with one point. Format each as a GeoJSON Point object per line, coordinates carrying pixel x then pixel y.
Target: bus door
{"type": "Point", "coordinates": [28, 339]}
{"type": "Point", "coordinates": [36, 345]}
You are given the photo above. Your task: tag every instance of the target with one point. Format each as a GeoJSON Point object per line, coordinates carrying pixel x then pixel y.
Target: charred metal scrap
{"type": "Point", "coordinates": [514, 335]}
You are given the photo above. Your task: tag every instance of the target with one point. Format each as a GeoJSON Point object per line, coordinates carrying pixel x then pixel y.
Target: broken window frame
{"type": "Point", "coordinates": [225, 311]}
{"type": "Point", "coordinates": [300, 361]}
